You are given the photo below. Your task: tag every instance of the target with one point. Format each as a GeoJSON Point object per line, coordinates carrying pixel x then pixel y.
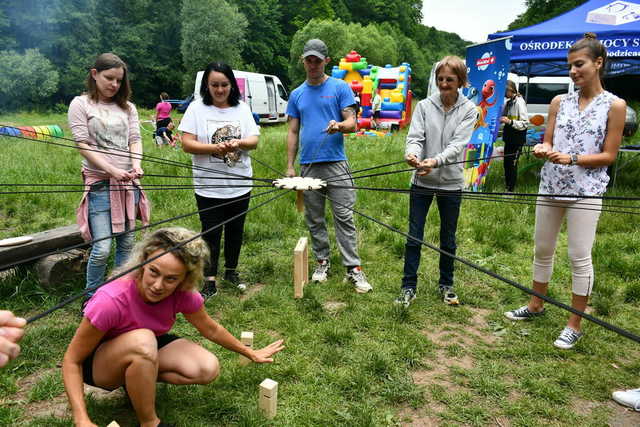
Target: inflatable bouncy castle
{"type": "Point", "coordinates": [392, 83]}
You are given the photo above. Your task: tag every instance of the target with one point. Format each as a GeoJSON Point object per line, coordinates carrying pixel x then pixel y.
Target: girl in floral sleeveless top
{"type": "Point", "coordinates": [582, 138]}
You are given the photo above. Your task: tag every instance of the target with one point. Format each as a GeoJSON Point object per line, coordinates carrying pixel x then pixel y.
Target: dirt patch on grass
{"type": "Point", "coordinates": [621, 416]}
{"type": "Point", "coordinates": [58, 406]}
{"type": "Point", "coordinates": [334, 307]}
{"type": "Point", "coordinates": [252, 290]}
{"type": "Point", "coordinates": [441, 375]}
{"type": "Point", "coordinates": [417, 418]}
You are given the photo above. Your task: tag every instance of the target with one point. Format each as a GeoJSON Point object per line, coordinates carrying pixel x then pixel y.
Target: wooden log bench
{"type": "Point", "coordinates": [54, 268]}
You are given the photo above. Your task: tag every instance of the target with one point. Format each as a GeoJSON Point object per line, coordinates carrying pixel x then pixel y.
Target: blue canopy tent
{"type": "Point", "coordinates": [541, 49]}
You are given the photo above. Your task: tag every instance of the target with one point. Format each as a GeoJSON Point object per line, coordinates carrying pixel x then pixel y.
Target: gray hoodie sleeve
{"type": "Point", "coordinates": [460, 138]}
{"type": "Point", "coordinates": [416, 138]}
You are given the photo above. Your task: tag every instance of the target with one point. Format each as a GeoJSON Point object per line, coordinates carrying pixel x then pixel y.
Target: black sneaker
{"type": "Point", "coordinates": [448, 296]}
{"type": "Point", "coordinates": [209, 289]}
{"type": "Point", "coordinates": [233, 277]}
{"type": "Point", "coordinates": [522, 313]}
{"type": "Point", "coordinates": [406, 296]}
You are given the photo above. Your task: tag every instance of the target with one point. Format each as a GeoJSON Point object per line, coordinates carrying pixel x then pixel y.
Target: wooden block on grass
{"type": "Point", "coordinates": [300, 267]}
{"type": "Point", "coordinates": [268, 398]}
{"type": "Point", "coordinates": [300, 201]}
{"type": "Point", "coordinates": [247, 339]}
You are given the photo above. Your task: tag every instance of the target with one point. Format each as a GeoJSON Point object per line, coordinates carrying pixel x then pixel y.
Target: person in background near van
{"type": "Point", "coordinates": [320, 110]}
{"type": "Point", "coordinates": [124, 338]}
{"type": "Point", "coordinates": [11, 331]}
{"type": "Point", "coordinates": [441, 127]}
{"type": "Point", "coordinates": [514, 133]}
{"type": "Point", "coordinates": [166, 134]}
{"type": "Point", "coordinates": [105, 125]}
{"type": "Point", "coordinates": [219, 130]}
{"type": "Point", "coordinates": [376, 105]}
{"type": "Point", "coordinates": [163, 112]}
{"type": "Point", "coordinates": [582, 138]}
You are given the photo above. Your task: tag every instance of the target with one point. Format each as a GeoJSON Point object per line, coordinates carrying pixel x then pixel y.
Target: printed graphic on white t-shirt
{"type": "Point", "coordinates": [110, 129]}
{"type": "Point", "coordinates": [220, 131]}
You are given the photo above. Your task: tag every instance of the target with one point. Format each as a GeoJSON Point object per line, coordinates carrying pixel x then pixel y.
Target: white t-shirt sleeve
{"type": "Point", "coordinates": [247, 123]}
{"type": "Point", "coordinates": [189, 121]}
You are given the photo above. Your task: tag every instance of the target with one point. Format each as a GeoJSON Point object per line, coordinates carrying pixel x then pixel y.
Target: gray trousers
{"type": "Point", "coordinates": [314, 212]}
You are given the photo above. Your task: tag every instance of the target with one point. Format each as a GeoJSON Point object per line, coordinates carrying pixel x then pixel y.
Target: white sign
{"type": "Point", "coordinates": [615, 13]}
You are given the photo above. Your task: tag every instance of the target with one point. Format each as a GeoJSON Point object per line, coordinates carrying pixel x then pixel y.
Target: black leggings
{"type": "Point", "coordinates": [513, 142]}
{"type": "Point", "coordinates": [233, 230]}
{"type": "Point", "coordinates": [87, 365]}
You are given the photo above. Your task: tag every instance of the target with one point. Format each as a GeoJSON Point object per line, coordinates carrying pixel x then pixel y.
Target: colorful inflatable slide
{"type": "Point", "coordinates": [393, 85]}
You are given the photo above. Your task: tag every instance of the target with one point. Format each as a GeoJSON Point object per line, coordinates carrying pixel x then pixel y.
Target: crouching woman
{"type": "Point", "coordinates": [124, 339]}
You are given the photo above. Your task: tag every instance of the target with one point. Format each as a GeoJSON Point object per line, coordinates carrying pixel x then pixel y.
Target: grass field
{"type": "Point", "coordinates": [351, 359]}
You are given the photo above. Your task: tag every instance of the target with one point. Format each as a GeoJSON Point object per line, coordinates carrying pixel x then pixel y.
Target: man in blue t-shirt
{"type": "Point", "coordinates": [320, 110]}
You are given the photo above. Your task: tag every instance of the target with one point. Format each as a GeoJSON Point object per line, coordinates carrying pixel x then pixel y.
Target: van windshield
{"type": "Point", "coordinates": [542, 93]}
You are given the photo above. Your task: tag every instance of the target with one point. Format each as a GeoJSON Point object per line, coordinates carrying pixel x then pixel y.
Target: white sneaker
{"type": "Point", "coordinates": [321, 271]}
{"type": "Point", "coordinates": [630, 398]}
{"type": "Point", "coordinates": [359, 280]}
{"type": "Point", "coordinates": [567, 338]}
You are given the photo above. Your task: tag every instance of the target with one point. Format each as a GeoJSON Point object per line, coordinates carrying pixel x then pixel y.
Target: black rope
{"type": "Point", "coordinates": [266, 165]}
{"type": "Point", "coordinates": [146, 188]}
{"type": "Point", "coordinates": [413, 169]}
{"type": "Point", "coordinates": [489, 198]}
{"type": "Point", "coordinates": [205, 177]}
{"type": "Point", "coordinates": [127, 154]}
{"type": "Point", "coordinates": [133, 230]}
{"type": "Point", "coordinates": [93, 288]}
{"type": "Point", "coordinates": [513, 283]}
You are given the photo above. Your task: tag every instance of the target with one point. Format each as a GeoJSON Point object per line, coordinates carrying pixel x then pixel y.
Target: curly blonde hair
{"type": "Point", "coordinates": [194, 254]}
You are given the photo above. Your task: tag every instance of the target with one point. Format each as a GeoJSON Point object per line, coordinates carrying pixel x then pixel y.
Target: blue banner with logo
{"type": "Point", "coordinates": [488, 65]}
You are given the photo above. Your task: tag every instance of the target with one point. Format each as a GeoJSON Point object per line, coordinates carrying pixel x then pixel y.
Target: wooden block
{"type": "Point", "coordinates": [247, 339]}
{"type": "Point", "coordinates": [300, 200]}
{"type": "Point", "coordinates": [268, 398]}
{"type": "Point", "coordinates": [300, 267]}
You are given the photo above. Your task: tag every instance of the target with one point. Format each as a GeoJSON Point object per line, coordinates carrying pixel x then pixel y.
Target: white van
{"type": "Point", "coordinates": [265, 94]}
{"type": "Point", "coordinates": [539, 91]}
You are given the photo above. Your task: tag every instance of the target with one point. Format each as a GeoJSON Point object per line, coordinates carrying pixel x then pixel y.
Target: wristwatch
{"type": "Point", "coordinates": [574, 159]}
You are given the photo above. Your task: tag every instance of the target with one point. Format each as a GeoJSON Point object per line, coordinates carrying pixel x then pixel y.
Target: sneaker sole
{"type": "Point", "coordinates": [506, 314]}
{"type": "Point", "coordinates": [562, 346]}
{"type": "Point", "coordinates": [622, 402]}
{"type": "Point", "coordinates": [358, 290]}
{"type": "Point", "coordinates": [319, 280]}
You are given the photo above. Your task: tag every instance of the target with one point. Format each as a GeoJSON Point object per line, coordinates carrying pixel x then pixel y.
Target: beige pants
{"type": "Point", "coordinates": [581, 230]}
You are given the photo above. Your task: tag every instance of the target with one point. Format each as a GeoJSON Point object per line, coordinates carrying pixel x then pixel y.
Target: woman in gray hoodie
{"type": "Point", "coordinates": [440, 129]}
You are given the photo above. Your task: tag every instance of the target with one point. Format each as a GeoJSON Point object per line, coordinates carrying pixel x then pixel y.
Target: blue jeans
{"type": "Point", "coordinates": [100, 223]}
{"type": "Point", "coordinates": [449, 208]}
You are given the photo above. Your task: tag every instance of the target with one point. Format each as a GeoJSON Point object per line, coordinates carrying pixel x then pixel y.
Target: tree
{"type": "Point", "coordinates": [542, 10]}
{"type": "Point", "coordinates": [27, 79]}
{"type": "Point", "coordinates": [211, 30]}
{"type": "Point", "coordinates": [266, 49]}
{"type": "Point", "coordinates": [335, 34]}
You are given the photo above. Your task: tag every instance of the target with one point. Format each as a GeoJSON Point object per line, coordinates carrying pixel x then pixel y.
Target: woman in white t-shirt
{"type": "Point", "coordinates": [219, 130]}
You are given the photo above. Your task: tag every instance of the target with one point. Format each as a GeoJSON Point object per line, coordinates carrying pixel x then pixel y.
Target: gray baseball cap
{"type": "Point", "coordinates": [315, 47]}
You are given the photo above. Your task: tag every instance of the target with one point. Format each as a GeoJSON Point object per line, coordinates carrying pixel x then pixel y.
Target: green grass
{"type": "Point", "coordinates": [362, 364]}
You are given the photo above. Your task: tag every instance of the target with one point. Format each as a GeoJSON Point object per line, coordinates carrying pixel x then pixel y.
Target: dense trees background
{"type": "Point", "coordinates": [54, 42]}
